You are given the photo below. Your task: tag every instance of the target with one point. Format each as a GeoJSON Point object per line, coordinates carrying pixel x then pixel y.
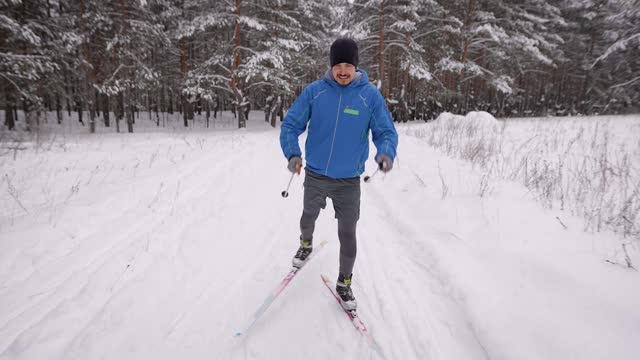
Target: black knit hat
{"type": "Point", "coordinates": [344, 50]}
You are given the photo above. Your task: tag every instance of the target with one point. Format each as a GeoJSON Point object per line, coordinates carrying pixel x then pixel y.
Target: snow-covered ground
{"type": "Point", "coordinates": [160, 244]}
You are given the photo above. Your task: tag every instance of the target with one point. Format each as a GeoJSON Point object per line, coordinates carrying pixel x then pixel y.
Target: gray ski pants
{"type": "Point", "coordinates": [345, 195]}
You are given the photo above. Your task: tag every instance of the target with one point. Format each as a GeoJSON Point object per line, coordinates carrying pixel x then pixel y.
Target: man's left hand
{"type": "Point", "coordinates": [384, 163]}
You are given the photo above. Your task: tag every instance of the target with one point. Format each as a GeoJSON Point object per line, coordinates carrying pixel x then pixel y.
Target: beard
{"type": "Point", "coordinates": [343, 79]}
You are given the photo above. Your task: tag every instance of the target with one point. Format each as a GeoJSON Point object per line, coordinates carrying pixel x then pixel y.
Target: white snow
{"type": "Point", "coordinates": [449, 64]}
{"type": "Point", "coordinates": [23, 32]}
{"type": "Point", "coordinates": [503, 84]}
{"type": "Point", "coordinates": [481, 118]}
{"type": "Point", "coordinates": [419, 71]}
{"type": "Point", "coordinates": [160, 245]}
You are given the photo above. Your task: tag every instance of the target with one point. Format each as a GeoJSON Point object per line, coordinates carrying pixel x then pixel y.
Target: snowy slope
{"type": "Point", "coordinates": [161, 245]}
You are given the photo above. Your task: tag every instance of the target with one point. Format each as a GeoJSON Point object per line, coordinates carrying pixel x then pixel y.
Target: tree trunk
{"type": "Point", "coordinates": [96, 100]}
{"type": "Point", "coordinates": [183, 71]}
{"type": "Point", "coordinates": [405, 73]}
{"type": "Point", "coordinates": [207, 104]}
{"type": "Point", "coordinates": [157, 109]}
{"type": "Point", "coordinates": [277, 104]}
{"type": "Point", "coordinates": [185, 111]}
{"type": "Point", "coordinates": [92, 116]}
{"type": "Point", "coordinates": [465, 48]}
{"type": "Point", "coordinates": [381, 50]}
{"type": "Point", "coordinates": [9, 120]}
{"type": "Point", "coordinates": [84, 82]}
{"type": "Point", "coordinates": [119, 110]}
{"type": "Point", "coordinates": [584, 106]}
{"type": "Point", "coordinates": [105, 110]}
{"type": "Point", "coordinates": [135, 109]}
{"type": "Point", "coordinates": [92, 120]}
{"type": "Point", "coordinates": [128, 110]}
{"type": "Point", "coordinates": [281, 110]}
{"type": "Point", "coordinates": [58, 109]}
{"type": "Point", "coordinates": [237, 60]}
{"type": "Point", "coordinates": [66, 89]}
{"type": "Point", "coordinates": [28, 115]}
{"type": "Point", "coordinates": [191, 107]}
{"type": "Point", "coordinates": [247, 109]}
{"type": "Point", "coordinates": [79, 106]}
{"type": "Point", "coordinates": [68, 102]}
{"type": "Point", "coordinates": [149, 105]}
{"type": "Point", "coordinates": [163, 104]}
{"type": "Point", "coordinates": [268, 104]}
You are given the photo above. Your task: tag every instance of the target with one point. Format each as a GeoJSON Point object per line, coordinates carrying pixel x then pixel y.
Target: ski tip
{"type": "Point", "coordinates": [324, 278]}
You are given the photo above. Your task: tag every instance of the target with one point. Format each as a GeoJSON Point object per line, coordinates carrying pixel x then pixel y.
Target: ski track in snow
{"type": "Point", "coordinates": [168, 258]}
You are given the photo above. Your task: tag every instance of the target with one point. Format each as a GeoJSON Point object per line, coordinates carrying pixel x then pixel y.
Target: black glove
{"type": "Point", "coordinates": [384, 163]}
{"type": "Point", "coordinates": [295, 164]}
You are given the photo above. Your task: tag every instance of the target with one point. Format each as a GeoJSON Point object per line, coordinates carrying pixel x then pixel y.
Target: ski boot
{"type": "Point", "coordinates": [302, 255]}
{"type": "Point", "coordinates": [343, 288]}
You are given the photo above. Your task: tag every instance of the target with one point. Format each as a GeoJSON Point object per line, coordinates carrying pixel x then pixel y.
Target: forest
{"type": "Point", "coordinates": [108, 60]}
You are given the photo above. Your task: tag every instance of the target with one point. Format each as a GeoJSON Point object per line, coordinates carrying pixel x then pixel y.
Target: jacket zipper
{"type": "Point", "coordinates": [326, 170]}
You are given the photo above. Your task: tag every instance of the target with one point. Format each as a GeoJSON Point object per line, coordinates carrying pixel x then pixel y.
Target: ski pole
{"type": "Point", "coordinates": [368, 178]}
{"type": "Point", "coordinates": [285, 193]}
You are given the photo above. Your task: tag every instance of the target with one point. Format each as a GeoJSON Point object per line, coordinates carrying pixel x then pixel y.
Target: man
{"type": "Point", "coordinates": [339, 110]}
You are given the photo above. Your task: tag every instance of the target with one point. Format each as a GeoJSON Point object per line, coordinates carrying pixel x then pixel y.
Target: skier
{"type": "Point", "coordinates": [340, 110]}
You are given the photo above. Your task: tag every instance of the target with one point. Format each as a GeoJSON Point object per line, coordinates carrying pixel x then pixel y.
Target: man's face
{"type": "Point", "coordinates": [343, 73]}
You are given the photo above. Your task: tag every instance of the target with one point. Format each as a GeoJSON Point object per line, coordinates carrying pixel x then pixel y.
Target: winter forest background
{"type": "Point", "coordinates": [509, 58]}
{"type": "Point", "coordinates": [509, 227]}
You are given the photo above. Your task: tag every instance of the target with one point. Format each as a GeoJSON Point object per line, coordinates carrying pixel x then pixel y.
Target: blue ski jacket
{"type": "Point", "coordinates": [339, 119]}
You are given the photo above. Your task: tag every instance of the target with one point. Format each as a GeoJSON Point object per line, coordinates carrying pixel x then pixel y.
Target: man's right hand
{"type": "Point", "coordinates": [295, 164]}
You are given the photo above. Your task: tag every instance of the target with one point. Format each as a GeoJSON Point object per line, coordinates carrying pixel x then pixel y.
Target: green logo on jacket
{"type": "Point", "coordinates": [351, 111]}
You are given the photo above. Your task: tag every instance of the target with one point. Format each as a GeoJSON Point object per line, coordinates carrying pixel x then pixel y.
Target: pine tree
{"type": "Point", "coordinates": [268, 44]}
{"type": "Point", "coordinates": [25, 58]}
{"type": "Point", "coordinates": [617, 49]}
{"type": "Point", "coordinates": [498, 41]}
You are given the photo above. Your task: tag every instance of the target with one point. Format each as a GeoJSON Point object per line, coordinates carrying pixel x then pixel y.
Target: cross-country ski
{"type": "Point", "coordinates": [276, 292]}
{"type": "Point", "coordinates": [355, 319]}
